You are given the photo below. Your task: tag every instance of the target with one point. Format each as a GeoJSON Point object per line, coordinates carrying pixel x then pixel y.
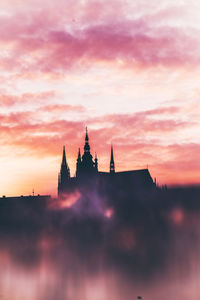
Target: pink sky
{"type": "Point", "coordinates": [129, 70]}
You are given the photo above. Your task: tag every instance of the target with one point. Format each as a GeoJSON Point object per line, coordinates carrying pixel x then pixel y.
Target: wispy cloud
{"type": "Point", "coordinates": [45, 41]}
{"type": "Point", "coordinates": [115, 68]}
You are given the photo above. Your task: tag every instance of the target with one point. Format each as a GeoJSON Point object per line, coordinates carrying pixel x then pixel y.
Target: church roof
{"type": "Point", "coordinates": [140, 172]}
{"type": "Point", "coordinates": [135, 177]}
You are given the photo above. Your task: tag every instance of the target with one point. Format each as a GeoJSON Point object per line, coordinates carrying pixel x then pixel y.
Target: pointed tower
{"type": "Point", "coordinates": [64, 175]}
{"type": "Point", "coordinates": [87, 164]}
{"type": "Point", "coordinates": [79, 156]}
{"type": "Point", "coordinates": [78, 163]}
{"type": "Point", "coordinates": [87, 146]}
{"type": "Point", "coordinates": [112, 163]}
{"type": "Point", "coordinates": [96, 162]}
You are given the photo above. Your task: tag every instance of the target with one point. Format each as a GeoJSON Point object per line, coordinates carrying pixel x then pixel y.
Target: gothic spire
{"type": "Point", "coordinates": [96, 162]}
{"type": "Point", "coordinates": [78, 163]}
{"type": "Point", "coordinates": [87, 146]}
{"type": "Point", "coordinates": [64, 161]}
{"type": "Point", "coordinates": [64, 165]}
{"type": "Point", "coordinates": [86, 135]}
{"type": "Point", "coordinates": [79, 155]}
{"type": "Point", "coordinates": [64, 175]}
{"type": "Point", "coordinates": [87, 163]}
{"type": "Point", "coordinates": [112, 163]}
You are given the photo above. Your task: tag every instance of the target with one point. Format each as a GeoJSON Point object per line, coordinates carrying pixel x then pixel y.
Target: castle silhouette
{"type": "Point", "coordinates": [87, 174]}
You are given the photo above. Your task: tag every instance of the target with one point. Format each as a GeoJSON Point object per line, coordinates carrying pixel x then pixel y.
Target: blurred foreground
{"type": "Point", "coordinates": [89, 246]}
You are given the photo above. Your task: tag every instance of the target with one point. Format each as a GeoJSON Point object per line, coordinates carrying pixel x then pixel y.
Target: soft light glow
{"type": "Point", "coordinates": [129, 70]}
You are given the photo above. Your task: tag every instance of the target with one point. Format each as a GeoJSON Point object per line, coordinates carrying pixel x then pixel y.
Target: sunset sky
{"type": "Point", "coordinates": [129, 70]}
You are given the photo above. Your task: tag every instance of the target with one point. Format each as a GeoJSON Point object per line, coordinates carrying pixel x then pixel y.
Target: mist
{"type": "Point", "coordinates": [111, 245]}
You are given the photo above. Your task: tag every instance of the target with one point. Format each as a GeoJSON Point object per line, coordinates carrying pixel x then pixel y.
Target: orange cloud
{"type": "Point", "coordinates": [115, 41]}
{"type": "Point", "coordinates": [139, 139]}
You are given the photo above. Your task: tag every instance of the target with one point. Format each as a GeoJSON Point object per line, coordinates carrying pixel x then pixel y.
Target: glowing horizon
{"type": "Point", "coordinates": [129, 71]}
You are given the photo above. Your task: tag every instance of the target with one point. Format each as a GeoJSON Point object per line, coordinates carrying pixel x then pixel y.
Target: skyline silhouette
{"type": "Point", "coordinates": [88, 173]}
{"type": "Point", "coordinates": [82, 167]}
{"type": "Point", "coordinates": [118, 243]}
{"type": "Point", "coordinates": [110, 211]}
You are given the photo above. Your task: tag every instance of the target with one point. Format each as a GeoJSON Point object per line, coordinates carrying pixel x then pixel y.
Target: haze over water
{"type": "Point", "coordinates": [129, 70]}
{"type": "Point", "coordinates": [89, 251]}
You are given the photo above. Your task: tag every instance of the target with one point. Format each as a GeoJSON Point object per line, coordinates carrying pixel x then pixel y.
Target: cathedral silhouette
{"type": "Point", "coordinates": [87, 174]}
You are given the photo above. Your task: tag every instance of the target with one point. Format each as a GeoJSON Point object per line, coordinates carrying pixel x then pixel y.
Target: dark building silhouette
{"type": "Point", "coordinates": [64, 175]}
{"type": "Point", "coordinates": [112, 163]}
{"type": "Point", "coordinates": [31, 198]}
{"type": "Point", "coordinates": [87, 174]}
